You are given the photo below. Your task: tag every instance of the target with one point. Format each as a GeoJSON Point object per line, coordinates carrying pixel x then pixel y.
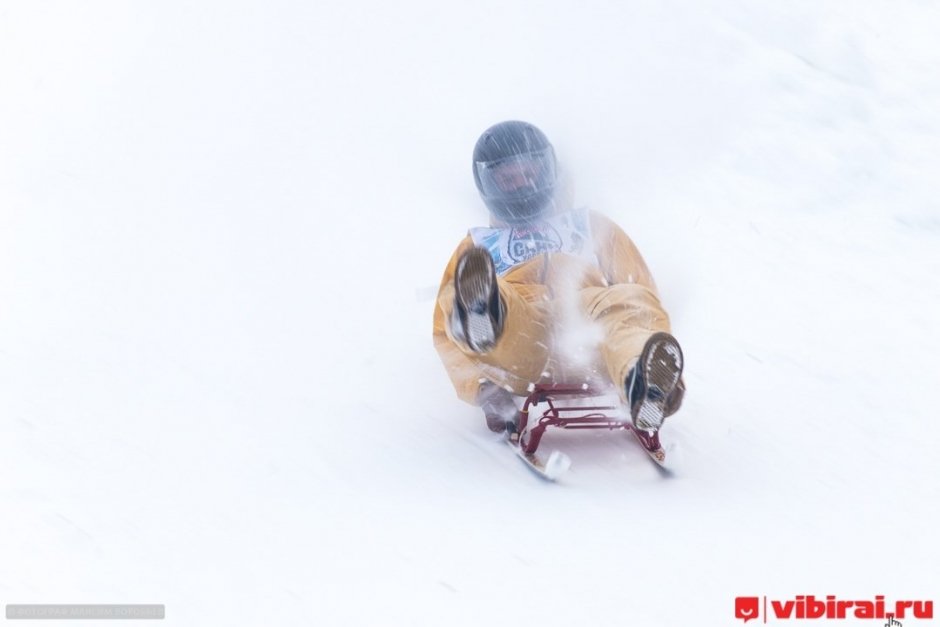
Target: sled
{"type": "Point", "coordinates": [565, 408]}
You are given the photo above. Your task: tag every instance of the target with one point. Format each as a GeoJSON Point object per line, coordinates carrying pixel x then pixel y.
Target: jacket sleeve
{"type": "Point", "coordinates": [463, 372]}
{"type": "Point", "coordinates": [619, 258]}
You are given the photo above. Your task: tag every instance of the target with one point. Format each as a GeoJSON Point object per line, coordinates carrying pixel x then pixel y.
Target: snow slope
{"type": "Point", "coordinates": [221, 229]}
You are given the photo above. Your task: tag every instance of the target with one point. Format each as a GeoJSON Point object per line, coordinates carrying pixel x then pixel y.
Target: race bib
{"type": "Point", "coordinates": [509, 246]}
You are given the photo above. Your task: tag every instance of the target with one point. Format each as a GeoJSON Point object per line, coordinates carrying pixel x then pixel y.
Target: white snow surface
{"type": "Point", "coordinates": [222, 225]}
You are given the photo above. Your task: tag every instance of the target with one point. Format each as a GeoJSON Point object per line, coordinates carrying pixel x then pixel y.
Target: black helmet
{"type": "Point", "coordinates": [514, 169]}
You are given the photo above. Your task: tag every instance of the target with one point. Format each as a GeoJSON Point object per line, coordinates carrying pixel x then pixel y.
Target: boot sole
{"type": "Point", "coordinates": [661, 365]}
{"type": "Point", "coordinates": [474, 283]}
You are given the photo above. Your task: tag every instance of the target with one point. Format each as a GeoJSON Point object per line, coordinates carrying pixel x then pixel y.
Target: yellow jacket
{"type": "Point", "coordinates": [618, 262]}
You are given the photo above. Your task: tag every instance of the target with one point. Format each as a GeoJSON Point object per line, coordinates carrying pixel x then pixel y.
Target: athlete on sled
{"type": "Point", "coordinates": [549, 294]}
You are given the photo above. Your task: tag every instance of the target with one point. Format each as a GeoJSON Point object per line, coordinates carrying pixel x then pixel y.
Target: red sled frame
{"type": "Point", "coordinates": [610, 417]}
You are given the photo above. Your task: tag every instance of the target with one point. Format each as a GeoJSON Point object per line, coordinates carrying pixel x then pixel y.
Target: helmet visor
{"type": "Point", "coordinates": [517, 176]}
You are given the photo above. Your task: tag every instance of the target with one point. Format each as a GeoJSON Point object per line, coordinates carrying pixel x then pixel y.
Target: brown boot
{"type": "Point", "coordinates": [654, 386]}
{"type": "Point", "coordinates": [478, 309]}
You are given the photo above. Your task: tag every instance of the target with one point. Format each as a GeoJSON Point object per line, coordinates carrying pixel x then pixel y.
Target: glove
{"type": "Point", "coordinates": [499, 408]}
